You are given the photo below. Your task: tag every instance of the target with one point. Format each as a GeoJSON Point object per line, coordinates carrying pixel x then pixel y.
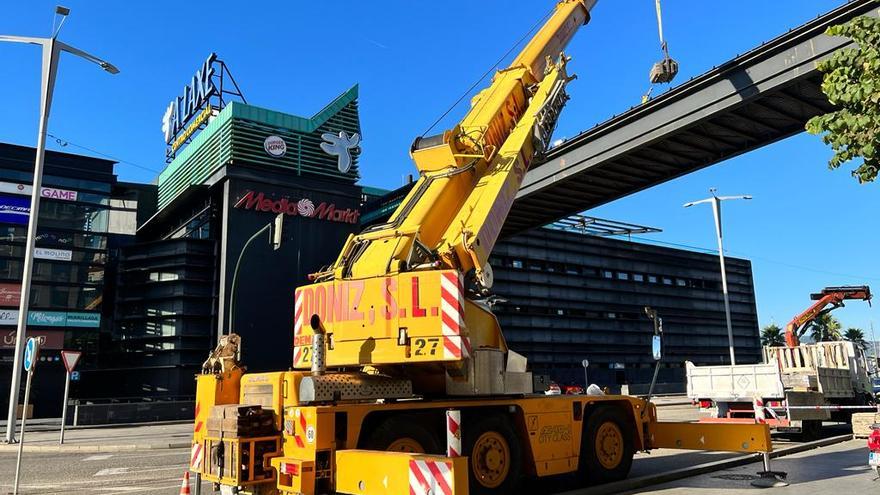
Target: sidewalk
{"type": "Point", "coordinates": [43, 436]}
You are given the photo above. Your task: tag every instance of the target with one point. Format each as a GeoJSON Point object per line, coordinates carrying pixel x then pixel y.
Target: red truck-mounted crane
{"type": "Point", "coordinates": [829, 296]}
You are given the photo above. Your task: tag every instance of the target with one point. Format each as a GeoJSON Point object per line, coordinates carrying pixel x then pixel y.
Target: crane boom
{"type": "Point", "coordinates": [830, 296]}
{"type": "Point", "coordinates": [401, 292]}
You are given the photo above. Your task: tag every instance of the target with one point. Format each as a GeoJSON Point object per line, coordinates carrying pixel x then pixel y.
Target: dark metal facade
{"type": "Point", "coordinates": [757, 98]}
{"type": "Point", "coordinates": [572, 296]}
{"type": "Point", "coordinates": [165, 314]}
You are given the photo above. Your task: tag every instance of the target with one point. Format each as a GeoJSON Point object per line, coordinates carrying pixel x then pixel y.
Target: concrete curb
{"type": "Point", "coordinates": [677, 474]}
{"type": "Point", "coordinates": [96, 449]}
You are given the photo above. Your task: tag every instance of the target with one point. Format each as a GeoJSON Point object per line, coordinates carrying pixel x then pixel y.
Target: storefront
{"type": "Point", "coordinates": [66, 302]}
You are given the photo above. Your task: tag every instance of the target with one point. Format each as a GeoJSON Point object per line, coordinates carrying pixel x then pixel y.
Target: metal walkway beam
{"type": "Point", "coordinates": [760, 97]}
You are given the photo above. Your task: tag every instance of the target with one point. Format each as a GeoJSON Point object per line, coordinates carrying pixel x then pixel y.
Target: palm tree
{"type": "Point", "coordinates": [825, 328]}
{"type": "Point", "coordinates": [772, 336]}
{"type": "Point", "coordinates": [857, 337]}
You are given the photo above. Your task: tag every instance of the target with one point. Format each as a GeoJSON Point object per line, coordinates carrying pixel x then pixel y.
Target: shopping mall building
{"type": "Point", "coordinates": [144, 279]}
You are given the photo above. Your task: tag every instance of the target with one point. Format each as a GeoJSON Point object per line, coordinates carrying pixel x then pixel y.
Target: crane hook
{"type": "Point", "coordinates": [665, 70]}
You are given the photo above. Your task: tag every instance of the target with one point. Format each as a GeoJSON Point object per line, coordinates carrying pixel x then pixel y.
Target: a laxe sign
{"type": "Point", "coordinates": [195, 95]}
{"type": "Point", "coordinates": [304, 207]}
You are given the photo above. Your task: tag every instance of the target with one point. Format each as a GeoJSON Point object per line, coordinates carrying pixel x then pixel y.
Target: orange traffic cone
{"type": "Point", "coordinates": [184, 485]}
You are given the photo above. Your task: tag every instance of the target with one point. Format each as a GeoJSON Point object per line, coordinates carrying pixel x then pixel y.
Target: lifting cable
{"type": "Point", "coordinates": [665, 70]}
{"type": "Point", "coordinates": [491, 69]}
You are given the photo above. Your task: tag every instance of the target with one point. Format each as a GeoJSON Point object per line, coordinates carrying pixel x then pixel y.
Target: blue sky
{"type": "Point", "coordinates": [805, 229]}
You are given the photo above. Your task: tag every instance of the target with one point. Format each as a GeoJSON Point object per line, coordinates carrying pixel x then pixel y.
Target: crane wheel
{"type": "Point", "coordinates": [606, 447]}
{"type": "Point", "coordinates": [403, 433]}
{"type": "Point", "coordinates": [494, 454]}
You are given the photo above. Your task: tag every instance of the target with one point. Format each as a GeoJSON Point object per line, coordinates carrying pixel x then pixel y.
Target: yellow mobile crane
{"type": "Point", "coordinates": [402, 379]}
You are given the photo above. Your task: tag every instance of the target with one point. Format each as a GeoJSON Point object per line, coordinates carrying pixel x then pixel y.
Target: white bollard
{"type": "Point", "coordinates": [453, 433]}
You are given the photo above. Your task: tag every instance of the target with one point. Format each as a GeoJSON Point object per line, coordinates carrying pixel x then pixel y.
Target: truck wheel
{"type": "Point", "coordinates": [494, 454]}
{"type": "Point", "coordinates": [606, 447]}
{"type": "Point", "coordinates": [811, 429]}
{"type": "Point", "coordinates": [404, 433]}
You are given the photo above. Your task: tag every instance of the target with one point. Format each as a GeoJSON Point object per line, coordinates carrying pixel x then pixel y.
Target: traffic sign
{"type": "Point", "coordinates": [74, 376]}
{"type": "Point", "coordinates": [585, 363]}
{"type": "Point", "coordinates": [31, 353]}
{"type": "Point", "coordinates": [70, 359]}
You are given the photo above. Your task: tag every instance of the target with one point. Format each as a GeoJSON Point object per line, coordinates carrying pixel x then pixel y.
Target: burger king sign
{"type": "Point", "coordinates": [275, 146]}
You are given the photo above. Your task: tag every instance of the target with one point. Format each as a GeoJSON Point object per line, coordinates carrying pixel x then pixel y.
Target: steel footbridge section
{"type": "Point", "coordinates": [758, 98]}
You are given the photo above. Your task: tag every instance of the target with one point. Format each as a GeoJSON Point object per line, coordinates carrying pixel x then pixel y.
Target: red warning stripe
{"type": "Point", "coordinates": [199, 424]}
{"type": "Point", "coordinates": [451, 347]}
{"type": "Point", "coordinates": [196, 459]}
{"type": "Point", "coordinates": [439, 478]}
{"type": "Point", "coordinates": [420, 478]}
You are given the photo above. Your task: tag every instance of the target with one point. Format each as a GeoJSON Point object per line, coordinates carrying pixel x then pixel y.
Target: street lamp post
{"type": "Point", "coordinates": [275, 229]}
{"type": "Point", "coordinates": [51, 51]}
{"type": "Point", "coordinates": [716, 212]}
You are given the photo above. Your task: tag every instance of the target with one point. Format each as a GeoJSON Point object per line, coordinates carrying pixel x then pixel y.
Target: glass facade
{"type": "Point", "coordinates": [66, 300]}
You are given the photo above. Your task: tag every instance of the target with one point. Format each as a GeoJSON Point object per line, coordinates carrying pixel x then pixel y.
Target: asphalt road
{"type": "Point", "coordinates": [151, 472]}
{"type": "Point", "coordinates": [160, 471]}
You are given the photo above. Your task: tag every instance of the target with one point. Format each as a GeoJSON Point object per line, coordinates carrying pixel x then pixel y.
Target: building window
{"type": "Point", "coordinates": [74, 216]}
{"type": "Point", "coordinates": [611, 315]}
{"type": "Point", "coordinates": [667, 281]}
{"type": "Point", "coordinates": [560, 312]}
{"type": "Point", "coordinates": [638, 277]}
{"type": "Point", "coordinates": [680, 282]}
{"type": "Point", "coordinates": [652, 279]}
{"type": "Point", "coordinates": [623, 276]}
{"type": "Point", "coordinates": [517, 264]}
{"type": "Point", "coordinates": [608, 274]}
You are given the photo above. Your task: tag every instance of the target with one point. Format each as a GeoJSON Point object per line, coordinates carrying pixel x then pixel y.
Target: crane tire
{"type": "Point", "coordinates": [495, 455]}
{"type": "Point", "coordinates": [606, 446]}
{"type": "Point", "coordinates": [403, 433]}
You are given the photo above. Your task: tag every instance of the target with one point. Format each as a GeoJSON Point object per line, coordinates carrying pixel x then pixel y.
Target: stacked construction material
{"type": "Point", "coordinates": [241, 421]}
{"type": "Point", "coordinates": [861, 423]}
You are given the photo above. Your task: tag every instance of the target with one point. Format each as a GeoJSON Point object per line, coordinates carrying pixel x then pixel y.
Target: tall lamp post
{"type": "Point", "coordinates": [51, 52]}
{"type": "Point", "coordinates": [275, 230]}
{"type": "Point", "coordinates": [716, 211]}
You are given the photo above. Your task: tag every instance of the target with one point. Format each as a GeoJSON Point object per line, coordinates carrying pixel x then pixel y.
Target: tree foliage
{"type": "Point", "coordinates": [772, 336]}
{"type": "Point", "coordinates": [856, 336]}
{"type": "Point", "coordinates": [825, 328]}
{"type": "Point", "coordinates": [852, 83]}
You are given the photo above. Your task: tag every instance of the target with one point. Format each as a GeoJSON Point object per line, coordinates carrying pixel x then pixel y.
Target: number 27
{"type": "Point", "coordinates": [426, 347]}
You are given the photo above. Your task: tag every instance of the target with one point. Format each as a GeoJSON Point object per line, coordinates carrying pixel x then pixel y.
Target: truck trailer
{"type": "Point", "coordinates": [793, 390]}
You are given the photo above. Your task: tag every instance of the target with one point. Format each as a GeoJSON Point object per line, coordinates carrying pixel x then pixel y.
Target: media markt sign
{"type": "Point", "coordinates": [304, 207]}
